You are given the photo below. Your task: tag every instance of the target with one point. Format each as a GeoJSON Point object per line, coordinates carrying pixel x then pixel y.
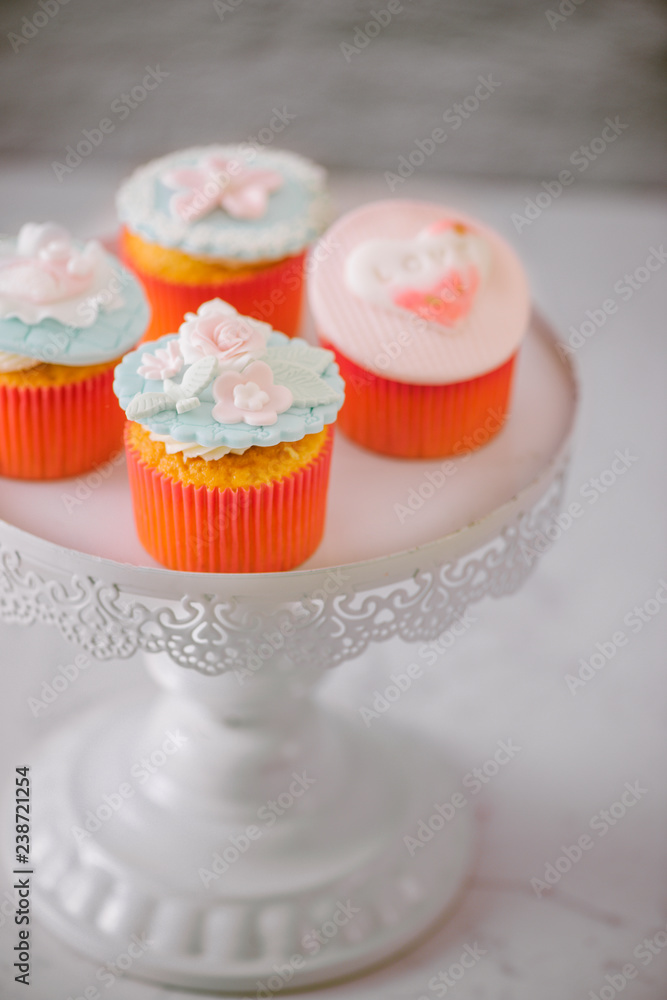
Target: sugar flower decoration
{"type": "Point", "coordinates": [165, 363]}
{"type": "Point", "coordinates": [44, 274]}
{"type": "Point", "coordinates": [47, 266]}
{"type": "Point", "coordinates": [220, 183]}
{"type": "Point", "coordinates": [218, 330]}
{"type": "Point", "coordinates": [250, 396]}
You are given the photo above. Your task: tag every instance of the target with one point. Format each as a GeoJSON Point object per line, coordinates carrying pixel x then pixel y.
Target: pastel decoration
{"type": "Point", "coordinates": [435, 275]}
{"type": "Point", "coordinates": [65, 302]}
{"type": "Point", "coordinates": [250, 396]}
{"type": "Point", "coordinates": [217, 182]}
{"type": "Point", "coordinates": [241, 384]}
{"type": "Point", "coordinates": [419, 294]}
{"type": "Point", "coordinates": [218, 330]}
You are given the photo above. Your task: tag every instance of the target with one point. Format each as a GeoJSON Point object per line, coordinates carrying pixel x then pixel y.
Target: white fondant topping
{"type": "Point", "coordinates": [16, 362]}
{"type": "Point", "coordinates": [400, 343]}
{"type": "Point", "coordinates": [190, 449]}
{"type": "Point", "coordinates": [435, 275]}
{"type": "Point", "coordinates": [45, 275]}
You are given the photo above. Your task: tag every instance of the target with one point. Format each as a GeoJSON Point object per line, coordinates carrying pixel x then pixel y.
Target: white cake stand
{"type": "Point", "coordinates": [250, 837]}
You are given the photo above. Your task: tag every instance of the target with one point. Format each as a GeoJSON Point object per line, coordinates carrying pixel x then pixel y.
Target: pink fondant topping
{"type": "Point", "coordinates": [218, 182]}
{"type": "Point", "coordinates": [419, 293]}
{"type": "Point", "coordinates": [250, 396]}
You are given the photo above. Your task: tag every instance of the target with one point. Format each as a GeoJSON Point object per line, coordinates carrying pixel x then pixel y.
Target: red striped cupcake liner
{"type": "Point", "coordinates": [54, 432]}
{"type": "Point", "coordinates": [422, 421]}
{"type": "Point", "coordinates": [273, 294]}
{"type": "Point", "coordinates": [260, 529]}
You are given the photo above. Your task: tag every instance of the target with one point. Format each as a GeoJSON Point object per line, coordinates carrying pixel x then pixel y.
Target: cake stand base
{"type": "Point", "coordinates": [184, 886]}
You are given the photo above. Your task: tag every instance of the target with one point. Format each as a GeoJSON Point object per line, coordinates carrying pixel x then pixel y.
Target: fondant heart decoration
{"type": "Point", "coordinates": [436, 274]}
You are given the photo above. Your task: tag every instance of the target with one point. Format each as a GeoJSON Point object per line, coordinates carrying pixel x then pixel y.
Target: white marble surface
{"type": "Point", "coordinates": [504, 679]}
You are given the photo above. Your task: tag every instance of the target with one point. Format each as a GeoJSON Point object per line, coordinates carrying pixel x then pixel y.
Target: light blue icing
{"type": "Point", "coordinates": [199, 426]}
{"type": "Point", "coordinates": [113, 333]}
{"type": "Point", "coordinates": [297, 213]}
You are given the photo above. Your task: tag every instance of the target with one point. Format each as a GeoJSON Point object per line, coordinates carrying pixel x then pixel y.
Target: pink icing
{"type": "Point", "coordinates": [218, 330]}
{"type": "Point", "coordinates": [447, 325]}
{"type": "Point", "coordinates": [250, 396]}
{"type": "Point", "coordinates": [165, 363]}
{"type": "Point", "coordinates": [218, 182]}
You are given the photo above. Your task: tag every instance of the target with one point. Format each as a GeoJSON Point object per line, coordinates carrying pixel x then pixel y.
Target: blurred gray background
{"type": "Point", "coordinates": [559, 68]}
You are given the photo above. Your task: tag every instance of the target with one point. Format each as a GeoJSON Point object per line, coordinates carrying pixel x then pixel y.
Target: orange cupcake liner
{"type": "Point", "coordinates": [262, 529]}
{"type": "Point", "coordinates": [422, 421]}
{"type": "Point", "coordinates": [273, 294]}
{"type": "Point", "coordinates": [54, 432]}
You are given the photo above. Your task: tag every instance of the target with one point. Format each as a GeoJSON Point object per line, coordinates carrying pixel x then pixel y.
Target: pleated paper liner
{"type": "Point", "coordinates": [273, 294]}
{"type": "Point", "coordinates": [54, 432]}
{"type": "Point", "coordinates": [262, 529]}
{"type": "Point", "coordinates": [422, 421]}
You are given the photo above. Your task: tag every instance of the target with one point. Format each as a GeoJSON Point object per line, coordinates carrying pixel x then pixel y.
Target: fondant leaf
{"type": "Point", "coordinates": [301, 353]}
{"type": "Point", "coordinates": [198, 376]}
{"type": "Point", "coordinates": [307, 388]}
{"type": "Point", "coordinates": [147, 404]}
{"type": "Point", "coordinates": [185, 405]}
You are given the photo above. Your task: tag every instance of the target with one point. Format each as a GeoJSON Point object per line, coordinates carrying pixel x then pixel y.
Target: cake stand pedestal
{"type": "Point", "coordinates": [236, 833]}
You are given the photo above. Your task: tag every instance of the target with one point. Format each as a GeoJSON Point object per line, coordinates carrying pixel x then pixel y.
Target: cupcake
{"type": "Point", "coordinates": [233, 222]}
{"type": "Point", "coordinates": [229, 443]}
{"type": "Point", "coordinates": [68, 311]}
{"type": "Point", "coordinates": [425, 310]}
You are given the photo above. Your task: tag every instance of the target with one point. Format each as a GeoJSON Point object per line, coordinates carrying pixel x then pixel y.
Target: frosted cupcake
{"type": "Point", "coordinates": [425, 310]}
{"type": "Point", "coordinates": [229, 443]}
{"type": "Point", "coordinates": [68, 311]}
{"type": "Point", "coordinates": [223, 221]}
